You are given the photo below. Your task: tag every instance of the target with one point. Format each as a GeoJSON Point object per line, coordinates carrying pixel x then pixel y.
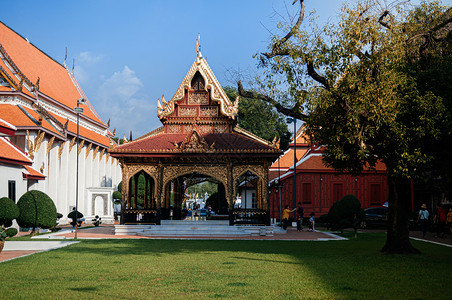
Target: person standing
{"type": "Point", "coordinates": [422, 218]}
{"type": "Point", "coordinates": [449, 219]}
{"type": "Point", "coordinates": [300, 211]}
{"type": "Point", "coordinates": [439, 219]}
{"type": "Point", "coordinates": [312, 222]}
{"type": "Point", "coordinates": [286, 216]}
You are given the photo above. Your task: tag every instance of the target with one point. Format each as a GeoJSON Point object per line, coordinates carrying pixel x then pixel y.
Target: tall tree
{"type": "Point", "coordinates": [261, 119]}
{"type": "Point", "coordinates": [350, 82]}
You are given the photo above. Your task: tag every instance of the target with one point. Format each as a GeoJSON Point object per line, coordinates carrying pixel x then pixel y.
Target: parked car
{"type": "Point", "coordinates": [375, 217]}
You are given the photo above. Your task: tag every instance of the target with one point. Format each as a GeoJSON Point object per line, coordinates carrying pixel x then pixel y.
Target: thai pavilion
{"type": "Point", "coordinates": [199, 139]}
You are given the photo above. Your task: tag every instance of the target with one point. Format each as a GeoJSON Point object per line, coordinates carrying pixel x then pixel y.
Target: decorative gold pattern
{"type": "Point", "coordinates": [187, 111]}
{"type": "Point", "coordinates": [95, 152]}
{"type": "Point", "coordinates": [101, 155]}
{"type": "Point", "coordinates": [30, 146]}
{"type": "Point", "coordinates": [200, 65]}
{"type": "Point", "coordinates": [88, 149]}
{"type": "Point", "coordinates": [262, 184]}
{"type": "Point", "coordinates": [174, 128]}
{"type": "Point", "coordinates": [49, 144]}
{"type": "Point", "coordinates": [218, 172]}
{"type": "Point", "coordinates": [208, 112]}
{"type": "Point", "coordinates": [195, 143]}
{"type": "Point", "coordinates": [205, 129]}
{"type": "Point", "coordinates": [199, 98]}
{"type": "Point", "coordinates": [80, 146]}
{"type": "Point", "coordinates": [220, 128]}
{"type": "Point", "coordinates": [71, 144]}
{"type": "Point", "coordinates": [128, 171]}
{"type": "Point", "coordinates": [188, 128]}
{"type": "Point", "coordinates": [39, 141]}
{"type": "Point", "coordinates": [60, 150]}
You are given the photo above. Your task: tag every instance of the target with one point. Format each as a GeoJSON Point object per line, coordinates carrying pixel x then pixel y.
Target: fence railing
{"type": "Point", "coordinates": [249, 216]}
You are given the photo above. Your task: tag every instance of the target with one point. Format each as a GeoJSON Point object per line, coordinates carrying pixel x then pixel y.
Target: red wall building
{"type": "Point", "coordinates": [318, 186]}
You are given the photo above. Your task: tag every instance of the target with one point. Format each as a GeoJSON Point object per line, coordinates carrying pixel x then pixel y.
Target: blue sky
{"type": "Point", "coordinates": [128, 53]}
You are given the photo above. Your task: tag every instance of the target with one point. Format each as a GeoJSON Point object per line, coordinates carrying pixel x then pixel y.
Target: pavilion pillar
{"type": "Point", "coordinates": [230, 187]}
{"type": "Point", "coordinates": [135, 190]}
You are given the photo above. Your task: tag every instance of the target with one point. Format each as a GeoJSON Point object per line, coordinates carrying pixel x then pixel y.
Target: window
{"type": "Point", "coordinates": [12, 190]}
{"type": "Point", "coordinates": [306, 193]}
{"type": "Point", "coordinates": [338, 191]}
{"type": "Point", "coordinates": [375, 194]}
{"type": "Point", "coordinates": [254, 200]}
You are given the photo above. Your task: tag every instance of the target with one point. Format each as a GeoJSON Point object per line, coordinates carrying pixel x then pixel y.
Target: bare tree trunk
{"type": "Point", "coordinates": [398, 236]}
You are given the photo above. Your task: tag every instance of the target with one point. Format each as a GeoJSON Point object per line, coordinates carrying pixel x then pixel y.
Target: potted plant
{"type": "Point", "coordinates": [76, 217]}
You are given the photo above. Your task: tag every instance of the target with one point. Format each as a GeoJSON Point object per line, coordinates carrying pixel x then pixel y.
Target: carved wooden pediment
{"type": "Point", "coordinates": [195, 142]}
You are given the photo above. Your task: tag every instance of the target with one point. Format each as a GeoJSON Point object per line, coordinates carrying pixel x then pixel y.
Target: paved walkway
{"type": "Point", "coordinates": [14, 249]}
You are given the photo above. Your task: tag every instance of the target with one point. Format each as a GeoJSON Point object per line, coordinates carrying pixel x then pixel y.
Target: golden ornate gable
{"type": "Point", "coordinates": [211, 91]}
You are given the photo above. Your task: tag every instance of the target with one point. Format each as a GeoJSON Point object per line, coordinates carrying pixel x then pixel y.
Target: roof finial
{"type": "Point", "coordinates": [198, 46]}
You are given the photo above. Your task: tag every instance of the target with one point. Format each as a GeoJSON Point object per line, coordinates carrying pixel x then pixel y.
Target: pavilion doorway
{"type": "Point", "coordinates": [194, 196]}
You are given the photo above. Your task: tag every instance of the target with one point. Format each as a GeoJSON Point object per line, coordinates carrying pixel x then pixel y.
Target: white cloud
{"type": "Point", "coordinates": [88, 59]}
{"type": "Point", "coordinates": [121, 99]}
{"type": "Point", "coordinates": [84, 62]}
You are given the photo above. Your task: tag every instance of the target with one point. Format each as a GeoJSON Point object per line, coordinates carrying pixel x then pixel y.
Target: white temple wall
{"type": "Point", "coordinates": [12, 172]}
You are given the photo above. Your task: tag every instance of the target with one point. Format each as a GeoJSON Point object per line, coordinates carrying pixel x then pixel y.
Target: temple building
{"type": "Point", "coordinates": [38, 129]}
{"type": "Point", "coordinates": [199, 140]}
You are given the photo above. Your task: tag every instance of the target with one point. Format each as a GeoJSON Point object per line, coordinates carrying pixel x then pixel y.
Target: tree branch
{"type": "Point", "coordinates": [284, 110]}
{"type": "Point", "coordinates": [276, 49]}
{"type": "Point", "coordinates": [314, 75]}
{"type": "Point", "coordinates": [383, 23]}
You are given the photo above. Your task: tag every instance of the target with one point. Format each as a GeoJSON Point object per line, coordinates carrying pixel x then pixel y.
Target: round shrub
{"type": "Point", "coordinates": [36, 210]}
{"type": "Point", "coordinates": [345, 213]}
{"type": "Point", "coordinates": [117, 195]}
{"type": "Point", "coordinates": [11, 232]}
{"type": "Point", "coordinates": [8, 211]}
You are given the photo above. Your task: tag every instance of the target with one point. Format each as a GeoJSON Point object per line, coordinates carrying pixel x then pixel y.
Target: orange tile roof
{"type": "Point", "coordinates": [12, 114]}
{"type": "Point", "coordinates": [15, 115]}
{"type": "Point", "coordinates": [31, 173]}
{"type": "Point", "coordinates": [6, 128]}
{"type": "Point", "coordinates": [313, 161]}
{"type": "Point", "coordinates": [286, 160]}
{"type": "Point", "coordinates": [84, 133]}
{"type": "Point", "coordinates": [55, 80]}
{"type": "Point", "coordinates": [10, 153]}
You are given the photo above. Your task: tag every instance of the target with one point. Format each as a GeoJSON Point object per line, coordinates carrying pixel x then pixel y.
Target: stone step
{"type": "Point", "coordinates": [197, 229]}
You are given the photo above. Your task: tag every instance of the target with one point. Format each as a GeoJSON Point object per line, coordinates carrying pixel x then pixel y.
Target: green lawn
{"type": "Point", "coordinates": [168, 269]}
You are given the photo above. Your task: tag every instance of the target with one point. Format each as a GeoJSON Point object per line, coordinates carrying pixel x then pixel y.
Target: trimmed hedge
{"type": "Point", "coordinates": [345, 213]}
{"type": "Point", "coordinates": [36, 210]}
{"type": "Point", "coordinates": [8, 211]}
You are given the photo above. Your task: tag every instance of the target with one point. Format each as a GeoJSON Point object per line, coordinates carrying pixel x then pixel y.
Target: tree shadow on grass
{"type": "Point", "coordinates": [348, 269]}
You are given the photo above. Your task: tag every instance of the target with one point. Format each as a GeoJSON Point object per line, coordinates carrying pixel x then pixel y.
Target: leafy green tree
{"type": "Point", "coordinates": [261, 119]}
{"type": "Point", "coordinates": [350, 82]}
{"type": "Point", "coordinates": [36, 210]}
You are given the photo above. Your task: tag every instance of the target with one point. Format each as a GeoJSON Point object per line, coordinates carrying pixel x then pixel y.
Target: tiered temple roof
{"type": "Point", "coordinates": [198, 119]}
{"type": "Point", "coordinates": [47, 90]}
